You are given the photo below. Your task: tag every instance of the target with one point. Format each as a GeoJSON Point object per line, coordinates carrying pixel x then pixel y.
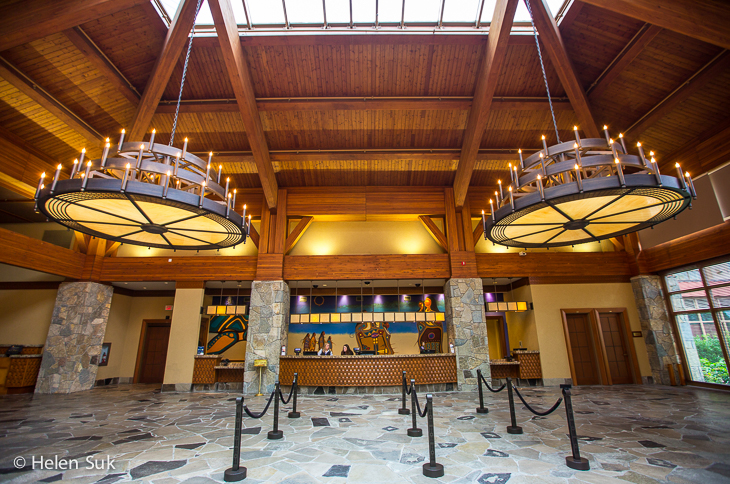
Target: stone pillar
{"type": "Point", "coordinates": [268, 329]}
{"type": "Point", "coordinates": [184, 332]}
{"type": "Point", "coordinates": [655, 324]}
{"type": "Point", "coordinates": [465, 324]}
{"type": "Point", "coordinates": [71, 354]}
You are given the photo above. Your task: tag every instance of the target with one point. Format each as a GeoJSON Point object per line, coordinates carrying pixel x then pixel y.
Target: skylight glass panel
{"type": "Point", "coordinates": [461, 11]}
{"type": "Point", "coordinates": [390, 10]}
{"type": "Point", "coordinates": [363, 11]}
{"type": "Point", "coordinates": [419, 11]}
{"type": "Point", "coordinates": [204, 16]}
{"type": "Point", "coordinates": [305, 11]}
{"type": "Point", "coordinates": [338, 11]}
{"type": "Point", "coordinates": [265, 12]}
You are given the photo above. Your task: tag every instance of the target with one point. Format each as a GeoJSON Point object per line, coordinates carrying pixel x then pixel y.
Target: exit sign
{"type": "Point", "coordinates": [168, 307]}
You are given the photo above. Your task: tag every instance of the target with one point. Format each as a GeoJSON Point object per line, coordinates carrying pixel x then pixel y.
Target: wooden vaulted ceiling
{"type": "Point", "coordinates": [343, 110]}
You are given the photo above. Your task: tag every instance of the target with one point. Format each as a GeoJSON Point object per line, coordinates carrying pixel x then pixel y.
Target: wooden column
{"type": "Point", "coordinates": [463, 263]}
{"type": "Point", "coordinates": [270, 265]}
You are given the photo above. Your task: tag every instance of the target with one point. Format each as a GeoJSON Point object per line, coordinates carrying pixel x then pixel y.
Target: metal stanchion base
{"type": "Point", "coordinates": [415, 433]}
{"type": "Point", "coordinates": [404, 411]}
{"type": "Point", "coordinates": [294, 415]}
{"type": "Point", "coordinates": [579, 464]}
{"type": "Point", "coordinates": [279, 434]}
{"type": "Point", "coordinates": [436, 470]}
{"type": "Point", "coordinates": [514, 430]}
{"type": "Point", "coordinates": [234, 476]}
{"type": "Point", "coordinates": [482, 410]}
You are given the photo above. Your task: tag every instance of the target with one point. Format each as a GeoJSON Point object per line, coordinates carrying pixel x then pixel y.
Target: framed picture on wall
{"type": "Point", "coordinates": [104, 356]}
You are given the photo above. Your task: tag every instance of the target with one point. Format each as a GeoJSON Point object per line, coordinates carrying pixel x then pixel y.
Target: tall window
{"type": "Point", "coordinates": [700, 305]}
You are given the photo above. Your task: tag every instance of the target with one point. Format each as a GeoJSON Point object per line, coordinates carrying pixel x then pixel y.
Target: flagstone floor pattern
{"type": "Point", "coordinates": [639, 434]}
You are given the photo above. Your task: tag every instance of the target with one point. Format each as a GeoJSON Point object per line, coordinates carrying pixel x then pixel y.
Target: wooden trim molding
{"type": "Point", "coordinates": [407, 266]}
{"type": "Point", "coordinates": [189, 284]}
{"type": "Point", "coordinates": [592, 265]}
{"type": "Point", "coordinates": [29, 253]}
{"type": "Point", "coordinates": [703, 245]}
{"type": "Point", "coordinates": [169, 269]}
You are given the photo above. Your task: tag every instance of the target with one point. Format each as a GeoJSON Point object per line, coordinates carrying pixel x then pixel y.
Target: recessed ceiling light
{"type": "Point", "coordinates": [144, 287]}
{"type": "Point", "coordinates": [126, 283]}
{"type": "Point", "coordinates": [324, 285]}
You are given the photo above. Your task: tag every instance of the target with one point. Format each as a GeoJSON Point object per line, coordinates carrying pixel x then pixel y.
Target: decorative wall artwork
{"type": "Point", "coordinates": [104, 356]}
{"type": "Point", "coordinates": [367, 303]}
{"type": "Point", "coordinates": [374, 333]}
{"type": "Point", "coordinates": [430, 335]}
{"type": "Point", "coordinates": [229, 330]}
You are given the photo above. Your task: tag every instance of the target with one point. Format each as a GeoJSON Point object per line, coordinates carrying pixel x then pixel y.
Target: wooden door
{"type": "Point", "coordinates": [614, 343]}
{"type": "Point", "coordinates": [584, 356]}
{"type": "Point", "coordinates": [157, 337]}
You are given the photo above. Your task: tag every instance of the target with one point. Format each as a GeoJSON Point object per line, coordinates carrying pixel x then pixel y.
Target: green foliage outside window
{"type": "Point", "coordinates": [712, 359]}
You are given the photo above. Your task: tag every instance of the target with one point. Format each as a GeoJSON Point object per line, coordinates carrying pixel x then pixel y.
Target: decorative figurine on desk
{"type": "Point", "coordinates": [306, 342]}
{"type": "Point", "coordinates": [321, 340]}
{"type": "Point", "coordinates": [326, 351]}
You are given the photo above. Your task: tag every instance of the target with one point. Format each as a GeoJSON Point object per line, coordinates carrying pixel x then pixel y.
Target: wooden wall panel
{"type": "Point", "coordinates": [309, 267]}
{"type": "Point", "coordinates": [703, 245]}
{"type": "Point", "coordinates": [360, 203]}
{"type": "Point", "coordinates": [184, 268]}
{"type": "Point", "coordinates": [555, 264]}
{"type": "Point", "coordinates": [19, 250]}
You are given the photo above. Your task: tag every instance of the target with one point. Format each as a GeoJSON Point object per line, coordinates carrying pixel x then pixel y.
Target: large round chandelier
{"type": "Point", "coordinates": [147, 194]}
{"type": "Point", "coordinates": [582, 191]}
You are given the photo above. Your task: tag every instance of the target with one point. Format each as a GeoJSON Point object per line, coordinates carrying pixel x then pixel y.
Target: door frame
{"type": "Point", "coordinates": [143, 343]}
{"type": "Point", "coordinates": [628, 341]}
{"type": "Point", "coordinates": [589, 312]}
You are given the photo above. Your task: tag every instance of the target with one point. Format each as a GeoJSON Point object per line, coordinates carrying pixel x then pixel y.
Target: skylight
{"type": "Point", "coordinates": [362, 13]}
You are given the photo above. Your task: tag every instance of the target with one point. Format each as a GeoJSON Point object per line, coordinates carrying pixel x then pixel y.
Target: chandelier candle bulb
{"type": "Point", "coordinates": [105, 153]}
{"type": "Point", "coordinates": [167, 185]}
{"type": "Point", "coordinates": [578, 178]}
{"type": "Point", "coordinates": [542, 164]}
{"type": "Point", "coordinates": [517, 179]}
{"type": "Point", "coordinates": [511, 199]}
{"type": "Point", "coordinates": [139, 158]}
{"type": "Point", "coordinates": [680, 176]}
{"type": "Point", "coordinates": [177, 163]}
{"type": "Point", "coordinates": [73, 168]}
{"type": "Point", "coordinates": [605, 133]}
{"type": "Point", "coordinates": [641, 153]}
{"type": "Point", "coordinates": [656, 171]}
{"type": "Point", "coordinates": [220, 172]}
{"type": "Point", "coordinates": [623, 143]}
{"type": "Point", "coordinates": [152, 138]}
{"type": "Point", "coordinates": [56, 175]}
{"type": "Point", "coordinates": [522, 163]}
{"type": "Point", "coordinates": [228, 205]}
{"type": "Point", "coordinates": [620, 172]}
{"type": "Point", "coordinates": [577, 155]}
{"type": "Point", "coordinates": [85, 175]}
{"type": "Point", "coordinates": [539, 188]}
{"type": "Point", "coordinates": [202, 195]}
{"type": "Point", "coordinates": [233, 204]}
{"type": "Point", "coordinates": [691, 185]}
{"type": "Point", "coordinates": [121, 141]}
{"type": "Point", "coordinates": [40, 185]}
{"type": "Point", "coordinates": [207, 172]}
{"type": "Point", "coordinates": [511, 175]}
{"type": "Point", "coordinates": [185, 149]}
{"type": "Point", "coordinates": [126, 177]}
{"type": "Point", "coordinates": [544, 145]}
{"type": "Point", "coordinates": [613, 149]}
{"type": "Point", "coordinates": [501, 193]}
{"type": "Point", "coordinates": [484, 224]}
{"type": "Point", "coordinates": [577, 136]}
{"type": "Point", "coordinates": [244, 212]}
{"type": "Point", "coordinates": [228, 180]}
{"type": "Point", "coordinates": [491, 205]}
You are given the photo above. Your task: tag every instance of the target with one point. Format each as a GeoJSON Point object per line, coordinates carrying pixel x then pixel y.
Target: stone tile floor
{"type": "Point", "coordinates": [639, 434]}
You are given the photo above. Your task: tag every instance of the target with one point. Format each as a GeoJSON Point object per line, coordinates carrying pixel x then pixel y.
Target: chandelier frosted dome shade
{"type": "Point", "coordinates": [147, 194]}
{"type": "Point", "coordinates": [583, 191]}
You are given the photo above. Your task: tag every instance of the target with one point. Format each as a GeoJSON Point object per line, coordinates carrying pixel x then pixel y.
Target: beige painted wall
{"type": "Point", "coordinates": [521, 326]}
{"type": "Point", "coordinates": [140, 308]}
{"type": "Point", "coordinates": [494, 330]}
{"type": "Point", "coordinates": [358, 238]}
{"type": "Point", "coordinates": [184, 333]}
{"type": "Point", "coordinates": [550, 299]}
{"type": "Point", "coordinates": [116, 334]}
{"type": "Point", "coordinates": [25, 315]}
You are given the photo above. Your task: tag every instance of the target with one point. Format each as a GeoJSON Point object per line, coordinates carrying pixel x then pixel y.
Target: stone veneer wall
{"type": "Point", "coordinates": [71, 354]}
{"type": "Point", "coordinates": [465, 325]}
{"type": "Point", "coordinates": [268, 328]}
{"type": "Point", "coordinates": [655, 324]}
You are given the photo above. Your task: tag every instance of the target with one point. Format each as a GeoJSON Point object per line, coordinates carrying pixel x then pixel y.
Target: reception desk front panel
{"type": "Point", "coordinates": [367, 371]}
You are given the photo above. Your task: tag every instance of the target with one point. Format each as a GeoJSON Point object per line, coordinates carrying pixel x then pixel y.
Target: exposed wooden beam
{"type": "Point", "coordinates": [28, 20]}
{"type": "Point", "coordinates": [297, 233]}
{"type": "Point", "coordinates": [237, 268]}
{"type": "Point", "coordinates": [173, 46]}
{"type": "Point", "coordinates": [282, 224]}
{"type": "Point", "coordinates": [461, 103]}
{"type": "Point", "coordinates": [360, 155]}
{"type": "Point", "coordinates": [254, 235]}
{"type": "Point", "coordinates": [553, 43]}
{"type": "Point", "coordinates": [466, 227]}
{"type": "Point", "coordinates": [708, 72]}
{"type": "Point", "coordinates": [595, 265]}
{"type": "Point", "coordinates": [491, 66]}
{"type": "Point", "coordinates": [435, 232]}
{"type": "Point", "coordinates": [478, 233]}
{"type": "Point", "coordinates": [102, 63]}
{"type": "Point", "coordinates": [705, 244]}
{"type": "Point", "coordinates": [240, 77]}
{"type": "Point", "coordinates": [22, 251]}
{"type": "Point", "coordinates": [706, 20]}
{"type": "Point", "coordinates": [617, 243]}
{"type": "Point", "coordinates": [570, 16]}
{"type": "Point", "coordinates": [27, 86]}
{"type": "Point", "coordinates": [630, 52]}
{"type": "Point", "coordinates": [703, 153]}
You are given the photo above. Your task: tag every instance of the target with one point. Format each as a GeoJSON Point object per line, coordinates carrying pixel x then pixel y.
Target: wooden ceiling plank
{"type": "Point", "coordinates": [175, 41]}
{"type": "Point", "coordinates": [706, 20]}
{"type": "Point", "coordinates": [488, 78]}
{"type": "Point", "coordinates": [27, 86]}
{"type": "Point", "coordinates": [707, 73]}
{"type": "Point", "coordinates": [552, 40]}
{"type": "Point", "coordinates": [632, 50]}
{"type": "Point", "coordinates": [35, 19]}
{"type": "Point", "coordinates": [102, 63]}
{"type": "Point", "coordinates": [703, 153]}
{"type": "Point", "coordinates": [297, 233]}
{"type": "Point", "coordinates": [435, 232]}
{"type": "Point", "coordinates": [240, 77]}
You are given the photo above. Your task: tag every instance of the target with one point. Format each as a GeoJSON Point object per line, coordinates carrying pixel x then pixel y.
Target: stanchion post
{"type": "Point", "coordinates": [403, 410]}
{"type": "Point", "coordinates": [481, 408]}
{"type": "Point", "coordinates": [295, 384]}
{"type": "Point", "coordinates": [237, 472]}
{"type": "Point", "coordinates": [414, 431]}
{"type": "Point", "coordinates": [431, 468]}
{"type": "Point", "coordinates": [276, 434]}
{"type": "Point", "coordinates": [514, 428]}
{"type": "Point", "coordinates": [575, 461]}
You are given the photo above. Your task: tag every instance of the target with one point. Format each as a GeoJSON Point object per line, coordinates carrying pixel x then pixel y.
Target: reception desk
{"type": "Point", "coordinates": [368, 371]}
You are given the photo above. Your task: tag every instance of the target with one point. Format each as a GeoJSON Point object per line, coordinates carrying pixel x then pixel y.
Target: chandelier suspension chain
{"type": "Point", "coordinates": [185, 72]}
{"type": "Point", "coordinates": [542, 66]}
